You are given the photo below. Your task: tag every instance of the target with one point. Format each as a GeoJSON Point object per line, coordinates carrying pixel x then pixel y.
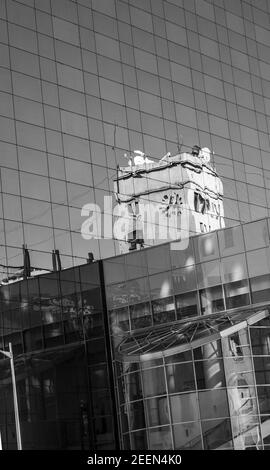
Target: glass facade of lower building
{"type": "Point", "coordinates": [156, 349]}
{"type": "Point", "coordinates": [57, 327]}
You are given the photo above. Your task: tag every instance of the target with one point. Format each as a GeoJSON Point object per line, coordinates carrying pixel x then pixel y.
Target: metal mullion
{"type": "Point", "coordinates": [255, 385]}
{"type": "Point", "coordinates": [197, 395]}
{"type": "Point", "coordinates": [168, 401]}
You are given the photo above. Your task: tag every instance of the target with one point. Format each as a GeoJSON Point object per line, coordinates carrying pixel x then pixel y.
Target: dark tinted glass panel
{"type": "Point", "coordinates": [210, 374]}
{"type": "Point", "coordinates": [16, 340]}
{"type": "Point", "coordinates": [184, 407]}
{"type": "Point", "coordinates": [90, 311]}
{"type": "Point", "coordinates": [138, 440]}
{"type": "Point", "coordinates": [260, 289]}
{"type": "Point", "coordinates": [33, 339]}
{"type": "Point", "coordinates": [103, 429]}
{"type": "Point", "coordinates": [212, 300]}
{"type": "Point", "coordinates": [213, 404]}
{"type": "Point", "coordinates": [160, 438]}
{"type": "Point", "coordinates": [136, 415]}
{"type": "Point", "coordinates": [187, 436]}
{"type": "Point", "coordinates": [209, 351]}
{"type": "Point", "coordinates": [99, 376]}
{"type": "Point", "coordinates": [154, 381]}
{"type": "Point", "coordinates": [262, 369]}
{"type": "Point", "coordinates": [140, 315]}
{"type": "Point", "coordinates": [163, 310]}
{"type": "Point", "coordinates": [264, 399]}
{"type": "Point", "coordinates": [96, 351]}
{"type": "Point", "coordinates": [180, 357]}
{"type": "Point", "coordinates": [119, 320]}
{"type": "Point", "coordinates": [180, 377]}
{"type": "Point", "coordinates": [237, 294]}
{"type": "Point", "coordinates": [260, 340]}
{"type": "Point", "coordinates": [157, 411]}
{"type": "Point", "coordinates": [151, 363]}
{"type": "Point", "coordinates": [53, 334]}
{"type": "Point", "coordinates": [133, 386]}
{"type": "Point", "coordinates": [186, 305]}
{"type": "Point", "coordinates": [217, 434]}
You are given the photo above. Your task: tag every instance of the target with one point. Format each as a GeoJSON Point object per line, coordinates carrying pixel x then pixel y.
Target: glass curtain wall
{"type": "Point", "coordinates": [56, 326]}
{"type": "Point", "coordinates": [213, 396]}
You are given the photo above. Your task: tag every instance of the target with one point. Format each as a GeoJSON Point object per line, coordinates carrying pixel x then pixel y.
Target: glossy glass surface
{"type": "Point", "coordinates": [162, 74]}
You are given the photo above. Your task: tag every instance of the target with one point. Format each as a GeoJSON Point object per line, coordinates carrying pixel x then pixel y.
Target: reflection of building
{"type": "Point", "coordinates": [84, 82]}
{"type": "Point", "coordinates": [154, 349]}
{"type": "Point", "coordinates": [172, 198]}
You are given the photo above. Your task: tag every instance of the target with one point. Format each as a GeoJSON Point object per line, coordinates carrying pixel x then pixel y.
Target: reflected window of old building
{"type": "Point", "coordinates": [163, 310]}
{"type": "Point", "coordinates": [180, 377]}
{"type": "Point", "coordinates": [186, 305]}
{"type": "Point", "coordinates": [140, 315]}
{"type": "Point", "coordinates": [212, 300]}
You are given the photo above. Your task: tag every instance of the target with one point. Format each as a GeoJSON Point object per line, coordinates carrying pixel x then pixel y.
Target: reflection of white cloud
{"type": "Point", "coordinates": [189, 264]}
{"type": "Point", "coordinates": [208, 247]}
{"type": "Point", "coordinates": [165, 289]}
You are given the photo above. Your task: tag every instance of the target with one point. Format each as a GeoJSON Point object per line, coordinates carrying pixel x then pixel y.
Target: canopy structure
{"type": "Point", "coordinates": [180, 337]}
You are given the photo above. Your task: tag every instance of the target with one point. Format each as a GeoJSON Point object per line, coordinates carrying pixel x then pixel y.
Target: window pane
{"type": "Point", "coordinates": [264, 399]}
{"type": "Point", "coordinates": [180, 377]}
{"type": "Point", "coordinates": [140, 315]}
{"type": "Point", "coordinates": [154, 382]}
{"type": "Point", "coordinates": [258, 262]}
{"type": "Point", "coordinates": [210, 374]}
{"type": "Point", "coordinates": [256, 234]}
{"type": "Point", "coordinates": [138, 440]}
{"type": "Point", "coordinates": [35, 186]}
{"type": "Point", "coordinates": [233, 268]}
{"type": "Point", "coordinates": [160, 438]}
{"type": "Point", "coordinates": [213, 404]}
{"type": "Point", "coordinates": [157, 411]}
{"type": "Point", "coordinates": [208, 274]}
{"type": "Point", "coordinates": [260, 289]}
{"type": "Point", "coordinates": [163, 310]}
{"type": "Point", "coordinates": [184, 279]}
{"type": "Point", "coordinates": [184, 407]}
{"type": "Point", "coordinates": [217, 434]}
{"type": "Point", "coordinates": [136, 265]}
{"type": "Point", "coordinates": [136, 415]}
{"type": "Point", "coordinates": [212, 300]}
{"type": "Point", "coordinates": [262, 369]}
{"type": "Point", "coordinates": [133, 387]}
{"type": "Point", "coordinates": [160, 285]}
{"type": "Point", "coordinates": [119, 320]}
{"type": "Point", "coordinates": [187, 436]}
{"type": "Point", "coordinates": [186, 305]}
{"type": "Point", "coordinates": [237, 294]}
{"type": "Point", "coordinates": [179, 357]}
{"type": "Point", "coordinates": [138, 290]}
{"type": "Point", "coordinates": [158, 259]}
{"type": "Point", "coordinates": [260, 340]}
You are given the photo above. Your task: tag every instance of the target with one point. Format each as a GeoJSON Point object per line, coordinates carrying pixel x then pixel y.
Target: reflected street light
{"type": "Point", "coordinates": [15, 398]}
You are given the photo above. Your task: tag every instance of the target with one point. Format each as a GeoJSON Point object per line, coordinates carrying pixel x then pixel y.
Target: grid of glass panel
{"type": "Point", "coordinates": [218, 271]}
{"type": "Point", "coordinates": [206, 397]}
{"type": "Point", "coordinates": [82, 82]}
{"type": "Point", "coordinates": [56, 326]}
